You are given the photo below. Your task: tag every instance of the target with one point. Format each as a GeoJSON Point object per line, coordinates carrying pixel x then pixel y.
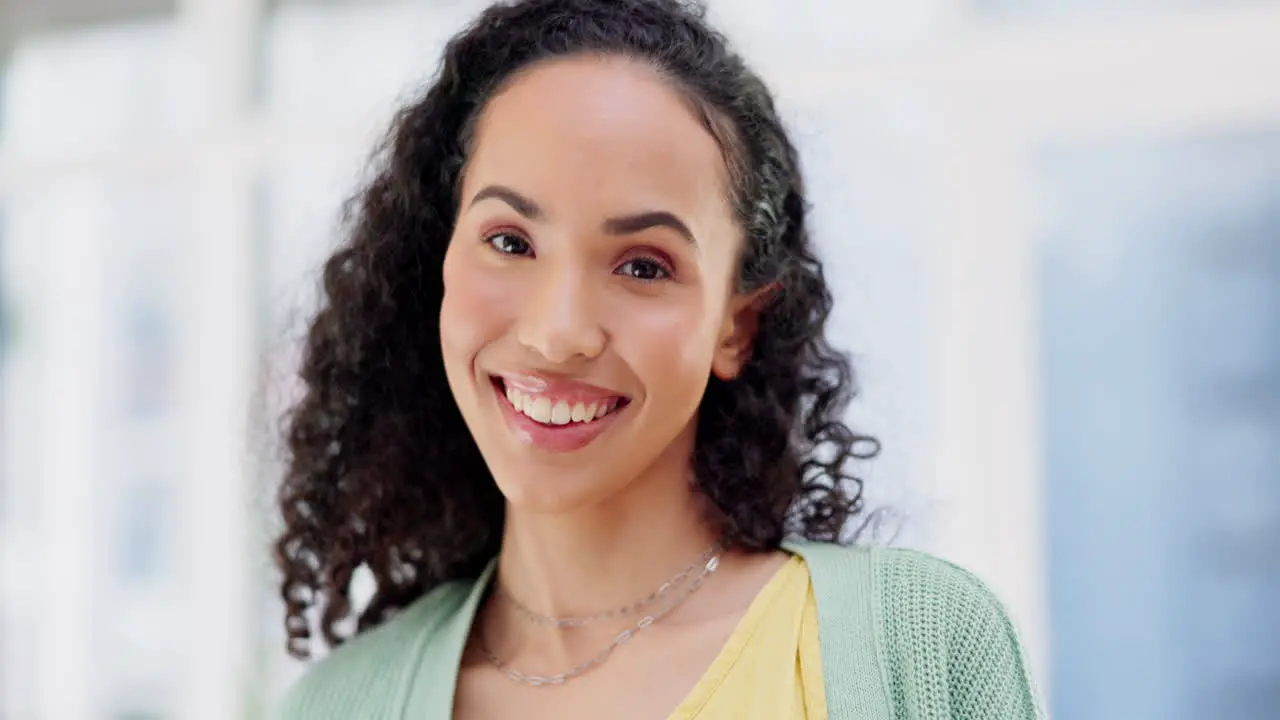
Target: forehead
{"type": "Point", "coordinates": [595, 131]}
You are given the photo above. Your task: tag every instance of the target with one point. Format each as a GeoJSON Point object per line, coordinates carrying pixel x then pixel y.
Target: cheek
{"type": "Point", "coordinates": [670, 344]}
{"type": "Point", "coordinates": [472, 312]}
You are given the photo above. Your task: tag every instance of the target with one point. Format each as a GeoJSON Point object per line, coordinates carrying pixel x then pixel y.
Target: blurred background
{"type": "Point", "coordinates": [1054, 227]}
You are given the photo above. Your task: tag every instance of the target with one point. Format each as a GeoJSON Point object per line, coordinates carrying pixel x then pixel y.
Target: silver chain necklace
{"type": "Point", "coordinates": [622, 637]}
{"type": "Point", "coordinates": [573, 621]}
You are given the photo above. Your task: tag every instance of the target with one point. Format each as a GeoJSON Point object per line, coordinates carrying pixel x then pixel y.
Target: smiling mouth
{"type": "Point", "coordinates": [554, 412]}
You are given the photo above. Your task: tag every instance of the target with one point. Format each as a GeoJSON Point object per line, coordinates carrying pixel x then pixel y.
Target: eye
{"type": "Point", "coordinates": [509, 243]}
{"type": "Point", "coordinates": [644, 269]}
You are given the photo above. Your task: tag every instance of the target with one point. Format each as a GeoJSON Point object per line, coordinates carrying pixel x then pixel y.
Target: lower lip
{"type": "Point", "coordinates": [552, 438]}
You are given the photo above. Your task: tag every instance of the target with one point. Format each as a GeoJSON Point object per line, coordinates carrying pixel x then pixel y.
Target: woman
{"type": "Point", "coordinates": [570, 400]}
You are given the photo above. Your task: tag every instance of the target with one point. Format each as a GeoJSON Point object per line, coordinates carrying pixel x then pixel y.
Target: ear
{"type": "Point", "coordinates": [738, 334]}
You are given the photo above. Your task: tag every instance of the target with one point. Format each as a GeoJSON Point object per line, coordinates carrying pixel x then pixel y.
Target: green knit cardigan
{"type": "Point", "coordinates": [904, 636]}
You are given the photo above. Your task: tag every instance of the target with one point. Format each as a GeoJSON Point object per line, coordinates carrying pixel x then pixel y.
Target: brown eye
{"type": "Point", "coordinates": [509, 244]}
{"type": "Point", "coordinates": [644, 269]}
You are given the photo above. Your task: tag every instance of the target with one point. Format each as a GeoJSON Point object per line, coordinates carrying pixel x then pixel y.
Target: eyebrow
{"type": "Point", "coordinates": [624, 225]}
{"type": "Point", "coordinates": [630, 224]}
{"type": "Point", "coordinates": [518, 202]}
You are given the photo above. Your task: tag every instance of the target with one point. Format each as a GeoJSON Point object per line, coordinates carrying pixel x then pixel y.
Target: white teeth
{"type": "Point", "coordinates": [560, 412]}
{"type": "Point", "coordinates": [541, 410]}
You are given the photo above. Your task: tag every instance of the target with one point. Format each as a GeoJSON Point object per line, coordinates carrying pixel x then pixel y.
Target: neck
{"type": "Point", "coordinates": [603, 557]}
{"type": "Point", "coordinates": [595, 559]}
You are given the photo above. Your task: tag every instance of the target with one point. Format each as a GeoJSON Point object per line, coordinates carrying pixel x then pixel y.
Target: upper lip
{"type": "Point", "coordinates": [534, 383]}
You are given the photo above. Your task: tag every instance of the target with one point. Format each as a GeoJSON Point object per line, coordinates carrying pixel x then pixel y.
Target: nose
{"type": "Point", "coordinates": [560, 321]}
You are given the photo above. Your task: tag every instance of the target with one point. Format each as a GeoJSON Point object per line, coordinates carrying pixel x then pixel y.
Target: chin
{"type": "Point", "coordinates": [551, 493]}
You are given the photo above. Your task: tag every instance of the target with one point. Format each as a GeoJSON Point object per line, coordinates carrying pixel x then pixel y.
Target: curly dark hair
{"type": "Point", "coordinates": [383, 473]}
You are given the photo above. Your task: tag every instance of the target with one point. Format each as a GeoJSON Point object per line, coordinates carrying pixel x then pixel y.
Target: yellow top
{"type": "Point", "coordinates": [771, 666]}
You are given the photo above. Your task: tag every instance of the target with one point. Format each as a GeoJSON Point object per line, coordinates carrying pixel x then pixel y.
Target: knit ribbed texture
{"type": "Point", "coordinates": [948, 648]}
{"type": "Point", "coordinates": [852, 674]}
{"type": "Point", "coordinates": [905, 636]}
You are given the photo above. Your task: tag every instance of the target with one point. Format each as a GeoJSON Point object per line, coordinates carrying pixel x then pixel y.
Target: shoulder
{"type": "Point", "coordinates": [367, 675]}
{"type": "Point", "coordinates": [905, 587]}
{"type": "Point", "coordinates": [913, 586]}
{"type": "Point", "coordinates": [938, 629]}
{"type": "Point", "coordinates": [943, 625]}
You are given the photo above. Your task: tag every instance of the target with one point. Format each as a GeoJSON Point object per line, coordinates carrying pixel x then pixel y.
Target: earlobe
{"type": "Point", "coordinates": [741, 325]}
{"type": "Point", "coordinates": [727, 363]}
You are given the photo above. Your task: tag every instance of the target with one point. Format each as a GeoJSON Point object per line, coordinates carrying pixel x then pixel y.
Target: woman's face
{"type": "Point", "coordinates": [589, 283]}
